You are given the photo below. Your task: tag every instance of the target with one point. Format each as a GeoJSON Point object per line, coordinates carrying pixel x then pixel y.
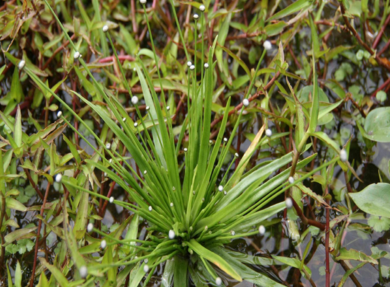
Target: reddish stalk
{"type": "Point", "coordinates": [38, 232]}
{"type": "Point", "coordinates": [379, 37]}
{"type": "Point", "coordinates": [306, 220]}
{"type": "Point", "coordinates": [113, 59]}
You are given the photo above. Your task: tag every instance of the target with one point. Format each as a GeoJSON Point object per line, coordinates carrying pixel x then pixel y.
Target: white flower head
{"type": "Point", "coordinates": [218, 281]}
{"type": "Point", "coordinates": [168, 108]}
{"type": "Point", "coordinates": [225, 140]}
{"type": "Point", "coordinates": [189, 63]}
{"type": "Point", "coordinates": [21, 64]}
{"type": "Point", "coordinates": [192, 67]}
{"type": "Point", "coordinates": [262, 230]}
{"type": "Point", "coordinates": [268, 132]}
{"type": "Point", "coordinates": [206, 65]}
{"type": "Point", "coordinates": [124, 119]}
{"type": "Point", "coordinates": [142, 1]}
{"type": "Point", "coordinates": [111, 199]}
{"type": "Point", "coordinates": [343, 155]}
{"type": "Point", "coordinates": [83, 271]}
{"type": "Point", "coordinates": [291, 180]}
{"type": "Point", "coordinates": [171, 204]}
{"type": "Point", "coordinates": [59, 114]}
{"type": "Point", "coordinates": [134, 100]}
{"type": "Point", "coordinates": [89, 227]}
{"type": "Point", "coordinates": [233, 233]}
{"type": "Point", "coordinates": [236, 154]}
{"type": "Point", "coordinates": [185, 149]}
{"type": "Point", "coordinates": [145, 171]}
{"type": "Point", "coordinates": [58, 177]}
{"type": "Point", "coordinates": [76, 55]}
{"type": "Point", "coordinates": [103, 244]}
{"type": "Point", "coordinates": [245, 102]}
{"type": "Point", "coordinates": [147, 108]}
{"type": "Point", "coordinates": [220, 188]}
{"type": "Point", "coordinates": [150, 208]}
{"type": "Point", "coordinates": [202, 8]}
{"type": "Point", "coordinates": [196, 16]}
{"type": "Point", "coordinates": [267, 45]}
{"type": "Point", "coordinates": [105, 28]}
{"type": "Point", "coordinates": [135, 124]}
{"type": "Point", "coordinates": [171, 234]}
{"type": "Point", "coordinates": [146, 267]}
{"type": "Point", "coordinates": [108, 145]}
{"type": "Point", "coordinates": [289, 202]}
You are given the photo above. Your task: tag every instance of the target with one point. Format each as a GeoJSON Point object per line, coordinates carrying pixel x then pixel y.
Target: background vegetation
{"type": "Point", "coordinates": [321, 88]}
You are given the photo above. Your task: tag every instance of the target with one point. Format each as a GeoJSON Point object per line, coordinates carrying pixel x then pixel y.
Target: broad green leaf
{"type": "Point", "coordinates": [377, 125]}
{"type": "Point", "coordinates": [353, 254]}
{"type": "Point", "coordinates": [291, 9]}
{"type": "Point", "coordinates": [374, 199]}
{"type": "Point", "coordinates": [55, 272]}
{"type": "Point", "coordinates": [14, 204]}
{"type": "Point", "coordinates": [17, 234]}
{"type": "Point", "coordinates": [18, 275]}
{"type": "Point", "coordinates": [16, 91]}
{"type": "Point", "coordinates": [180, 277]}
{"type": "Point", "coordinates": [274, 29]}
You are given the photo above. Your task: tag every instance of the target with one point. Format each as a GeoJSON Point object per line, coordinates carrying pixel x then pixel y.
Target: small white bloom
{"type": "Point", "coordinates": [145, 171]}
{"type": "Point", "coordinates": [289, 202]}
{"type": "Point", "coordinates": [108, 145]}
{"type": "Point", "coordinates": [150, 208]}
{"type": "Point", "coordinates": [124, 119]}
{"type": "Point", "coordinates": [171, 234]}
{"type": "Point", "coordinates": [291, 180]}
{"type": "Point", "coordinates": [225, 140]}
{"type": "Point", "coordinates": [267, 45]}
{"type": "Point", "coordinates": [134, 69]}
{"type": "Point", "coordinates": [142, 1]}
{"type": "Point", "coordinates": [224, 192]}
{"type": "Point", "coordinates": [103, 244]}
{"type": "Point", "coordinates": [171, 204]}
{"type": "Point", "coordinates": [218, 281]}
{"type": "Point", "coordinates": [206, 65]}
{"type": "Point", "coordinates": [135, 124]}
{"type": "Point", "coordinates": [245, 102]}
{"type": "Point", "coordinates": [83, 271]}
{"type": "Point", "coordinates": [58, 177]}
{"type": "Point", "coordinates": [59, 114]}
{"type": "Point", "coordinates": [268, 133]}
{"type": "Point", "coordinates": [202, 8]}
{"type": "Point", "coordinates": [191, 228]}
{"type": "Point", "coordinates": [185, 149]}
{"type": "Point", "coordinates": [146, 267]}
{"type": "Point", "coordinates": [206, 227]}
{"type": "Point", "coordinates": [168, 108]}
{"type": "Point", "coordinates": [21, 64]}
{"type": "Point", "coordinates": [192, 67]}
{"type": "Point", "coordinates": [89, 227]}
{"type": "Point", "coordinates": [220, 188]}
{"type": "Point", "coordinates": [110, 161]}
{"type": "Point", "coordinates": [189, 63]}
{"type": "Point", "coordinates": [343, 155]}
{"type": "Point", "coordinates": [196, 16]}
{"type": "Point", "coordinates": [105, 174]}
{"type": "Point", "coordinates": [111, 199]}
{"type": "Point", "coordinates": [146, 261]}
{"type": "Point", "coordinates": [210, 142]}
{"type": "Point", "coordinates": [233, 233]}
{"type": "Point", "coordinates": [105, 28]}
{"type": "Point", "coordinates": [262, 230]}
{"type": "Point", "coordinates": [147, 108]}
{"type": "Point", "coordinates": [236, 154]}
{"type": "Point", "coordinates": [76, 55]}
{"type": "Point", "coordinates": [134, 100]}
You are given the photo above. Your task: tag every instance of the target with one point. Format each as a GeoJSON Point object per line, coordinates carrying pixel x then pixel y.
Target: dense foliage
{"type": "Point", "coordinates": [194, 144]}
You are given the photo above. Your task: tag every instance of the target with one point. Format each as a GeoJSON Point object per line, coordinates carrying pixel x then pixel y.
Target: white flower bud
{"type": "Point", "coordinates": [171, 234]}
{"type": "Point", "coordinates": [245, 102]}
{"type": "Point", "coordinates": [108, 145]}
{"type": "Point", "coordinates": [236, 154]}
{"type": "Point", "coordinates": [147, 108]}
{"type": "Point", "coordinates": [218, 281]}
{"type": "Point", "coordinates": [206, 65]}
{"type": "Point", "coordinates": [196, 16]}
{"type": "Point", "coordinates": [89, 227]}
{"type": "Point", "coordinates": [146, 267]}
{"type": "Point", "coordinates": [225, 140]}
{"type": "Point", "coordinates": [58, 177]}
{"type": "Point", "coordinates": [189, 63]}
{"type": "Point", "coordinates": [168, 108]}
{"type": "Point", "coordinates": [59, 114]}
{"type": "Point", "coordinates": [267, 45]}
{"type": "Point", "coordinates": [105, 28]}
{"type": "Point", "coordinates": [291, 180]}
{"type": "Point", "coordinates": [124, 119]}
{"type": "Point", "coordinates": [145, 171]}
{"type": "Point", "coordinates": [268, 132]}
{"type": "Point", "coordinates": [76, 55]}
{"type": "Point", "coordinates": [192, 67]}
{"type": "Point", "coordinates": [135, 124]}
{"type": "Point", "coordinates": [171, 204]}
{"type": "Point", "coordinates": [220, 188]}
{"type": "Point", "coordinates": [202, 8]}
{"type": "Point", "coordinates": [343, 155]}
{"type": "Point", "coordinates": [233, 233]}
{"type": "Point", "coordinates": [103, 244]}
{"type": "Point", "coordinates": [185, 149]}
{"type": "Point", "coordinates": [21, 64]}
{"type": "Point", "coordinates": [83, 271]}
{"type": "Point", "coordinates": [134, 100]}
{"type": "Point", "coordinates": [142, 1]}
{"type": "Point", "coordinates": [289, 202]}
{"type": "Point", "coordinates": [262, 230]}
{"type": "Point", "coordinates": [150, 208]}
{"type": "Point", "coordinates": [111, 199]}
